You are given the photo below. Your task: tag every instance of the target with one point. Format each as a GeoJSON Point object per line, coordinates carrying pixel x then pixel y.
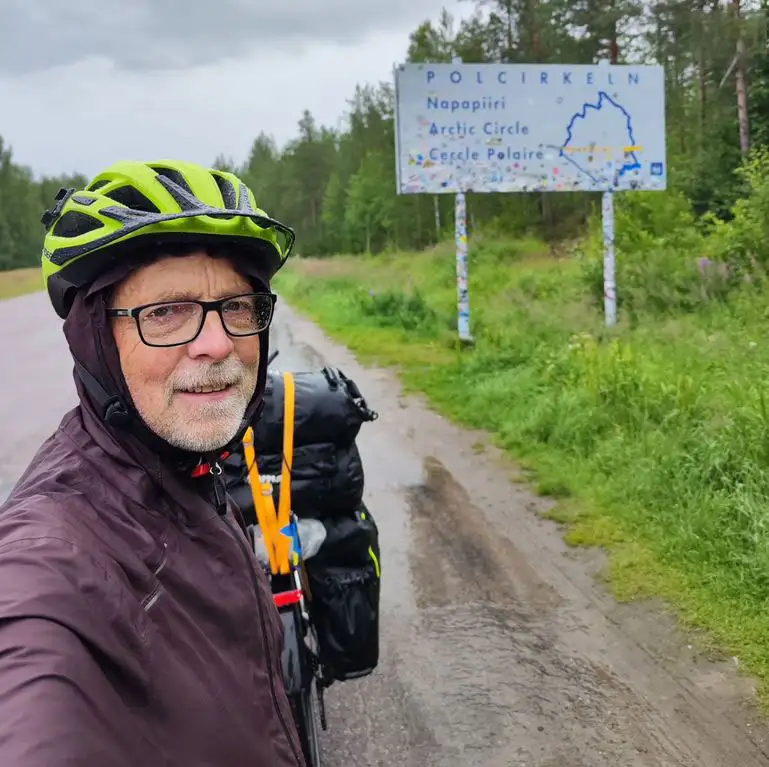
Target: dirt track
{"type": "Point", "coordinates": [499, 648]}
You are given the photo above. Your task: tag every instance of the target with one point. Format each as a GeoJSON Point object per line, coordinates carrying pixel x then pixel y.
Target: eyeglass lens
{"type": "Point", "coordinates": [179, 322]}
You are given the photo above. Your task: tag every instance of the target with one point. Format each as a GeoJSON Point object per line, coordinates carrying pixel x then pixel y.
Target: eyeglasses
{"type": "Point", "coordinates": [174, 323]}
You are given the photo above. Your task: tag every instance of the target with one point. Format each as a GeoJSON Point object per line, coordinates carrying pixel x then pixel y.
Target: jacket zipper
{"type": "Point", "coordinates": [220, 493]}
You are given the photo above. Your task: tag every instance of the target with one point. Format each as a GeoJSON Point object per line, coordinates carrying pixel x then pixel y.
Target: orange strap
{"type": "Point", "coordinates": [261, 492]}
{"type": "Point", "coordinates": [278, 545]}
{"type": "Point", "coordinates": [284, 504]}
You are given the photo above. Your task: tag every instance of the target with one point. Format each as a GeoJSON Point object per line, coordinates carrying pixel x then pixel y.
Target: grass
{"type": "Point", "coordinates": [655, 437]}
{"type": "Point", "coordinates": [19, 282]}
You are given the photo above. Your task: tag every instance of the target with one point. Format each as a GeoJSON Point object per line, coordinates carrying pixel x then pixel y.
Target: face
{"type": "Point", "coordinates": [193, 396]}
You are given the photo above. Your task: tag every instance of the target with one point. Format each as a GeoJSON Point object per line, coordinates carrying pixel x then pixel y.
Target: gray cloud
{"type": "Point", "coordinates": [173, 34]}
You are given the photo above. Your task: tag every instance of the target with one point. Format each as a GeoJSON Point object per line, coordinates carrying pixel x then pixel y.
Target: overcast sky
{"type": "Point", "coordinates": [85, 82]}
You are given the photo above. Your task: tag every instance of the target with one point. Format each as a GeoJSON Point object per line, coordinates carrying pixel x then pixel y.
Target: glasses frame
{"type": "Point", "coordinates": [208, 306]}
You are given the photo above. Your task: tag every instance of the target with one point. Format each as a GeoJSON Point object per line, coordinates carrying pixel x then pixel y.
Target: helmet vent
{"type": "Point", "coordinates": [132, 198]}
{"type": "Point", "coordinates": [183, 198]}
{"type": "Point", "coordinates": [74, 223]}
{"type": "Point", "coordinates": [173, 175]}
{"type": "Point", "coordinates": [227, 188]}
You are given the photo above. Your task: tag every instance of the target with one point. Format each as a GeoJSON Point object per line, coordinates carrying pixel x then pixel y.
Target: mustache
{"type": "Point", "coordinates": [216, 375]}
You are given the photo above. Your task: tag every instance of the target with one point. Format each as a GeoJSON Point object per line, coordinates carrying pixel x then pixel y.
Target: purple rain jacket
{"type": "Point", "coordinates": [136, 628]}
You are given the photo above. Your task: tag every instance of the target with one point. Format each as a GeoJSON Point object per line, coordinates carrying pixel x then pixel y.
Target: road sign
{"type": "Point", "coordinates": [529, 128]}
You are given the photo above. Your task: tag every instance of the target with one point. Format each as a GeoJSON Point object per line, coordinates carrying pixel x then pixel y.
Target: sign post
{"type": "Point", "coordinates": [463, 293]}
{"type": "Point", "coordinates": [507, 128]}
{"type": "Point", "coordinates": [463, 282]}
{"type": "Point", "coordinates": [609, 264]}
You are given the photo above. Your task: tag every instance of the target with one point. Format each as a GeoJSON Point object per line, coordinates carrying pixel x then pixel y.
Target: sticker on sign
{"type": "Point", "coordinates": [529, 128]}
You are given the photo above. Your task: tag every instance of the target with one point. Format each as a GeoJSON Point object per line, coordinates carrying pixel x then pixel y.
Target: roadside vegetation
{"type": "Point", "coordinates": [17, 282]}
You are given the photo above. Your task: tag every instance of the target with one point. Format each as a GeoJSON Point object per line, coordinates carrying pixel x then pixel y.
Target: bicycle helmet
{"type": "Point", "coordinates": [133, 207]}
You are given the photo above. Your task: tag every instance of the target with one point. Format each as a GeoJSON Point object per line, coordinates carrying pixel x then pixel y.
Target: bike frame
{"type": "Point", "coordinates": [289, 597]}
{"type": "Point", "coordinates": [302, 671]}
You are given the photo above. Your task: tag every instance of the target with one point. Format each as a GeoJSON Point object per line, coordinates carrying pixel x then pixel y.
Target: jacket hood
{"type": "Point", "coordinates": [103, 391]}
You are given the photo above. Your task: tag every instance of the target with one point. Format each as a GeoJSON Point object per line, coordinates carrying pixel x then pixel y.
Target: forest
{"type": "Point", "coordinates": [337, 187]}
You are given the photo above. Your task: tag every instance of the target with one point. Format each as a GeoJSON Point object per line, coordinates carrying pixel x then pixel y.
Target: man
{"type": "Point", "coordinates": [136, 629]}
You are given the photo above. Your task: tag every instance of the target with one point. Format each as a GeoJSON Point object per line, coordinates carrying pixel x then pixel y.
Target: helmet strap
{"type": "Point", "coordinates": [111, 407]}
{"type": "Point", "coordinates": [115, 412]}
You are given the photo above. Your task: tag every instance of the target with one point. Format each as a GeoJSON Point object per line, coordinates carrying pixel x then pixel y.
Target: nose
{"type": "Point", "coordinates": [212, 341]}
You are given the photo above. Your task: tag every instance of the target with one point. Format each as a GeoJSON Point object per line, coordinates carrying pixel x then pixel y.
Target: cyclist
{"type": "Point", "coordinates": [136, 627]}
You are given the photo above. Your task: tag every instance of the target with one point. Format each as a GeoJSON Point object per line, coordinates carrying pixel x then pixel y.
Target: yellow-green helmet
{"type": "Point", "coordinates": [133, 206]}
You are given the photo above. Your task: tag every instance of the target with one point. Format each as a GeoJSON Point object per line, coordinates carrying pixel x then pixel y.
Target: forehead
{"type": "Point", "coordinates": [196, 275]}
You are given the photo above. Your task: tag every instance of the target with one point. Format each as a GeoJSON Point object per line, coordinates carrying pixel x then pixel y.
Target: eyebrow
{"type": "Point", "coordinates": [190, 295]}
{"type": "Point", "coordinates": [175, 295]}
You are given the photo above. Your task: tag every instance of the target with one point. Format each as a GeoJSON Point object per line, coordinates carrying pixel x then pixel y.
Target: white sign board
{"type": "Point", "coordinates": [529, 128]}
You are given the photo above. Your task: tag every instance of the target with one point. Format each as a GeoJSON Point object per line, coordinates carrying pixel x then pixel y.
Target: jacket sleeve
{"type": "Point", "coordinates": [58, 702]}
{"type": "Point", "coordinates": [50, 713]}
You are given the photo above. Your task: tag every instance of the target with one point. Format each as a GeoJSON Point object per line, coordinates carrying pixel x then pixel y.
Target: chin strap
{"type": "Point", "coordinates": [115, 412]}
{"type": "Point", "coordinates": [111, 407]}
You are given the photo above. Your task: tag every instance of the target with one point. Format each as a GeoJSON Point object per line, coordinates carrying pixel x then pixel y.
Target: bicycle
{"type": "Point", "coordinates": [302, 670]}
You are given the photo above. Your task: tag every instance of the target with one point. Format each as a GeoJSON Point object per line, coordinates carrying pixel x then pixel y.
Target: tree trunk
{"type": "Point", "coordinates": [702, 75]}
{"type": "Point", "coordinates": [613, 42]}
{"type": "Point", "coordinates": [742, 90]}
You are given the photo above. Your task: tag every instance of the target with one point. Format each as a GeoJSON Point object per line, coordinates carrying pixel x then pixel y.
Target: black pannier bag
{"type": "Point", "coordinates": [344, 579]}
{"type": "Point", "coordinates": [326, 479]}
{"type": "Point", "coordinates": [329, 408]}
{"type": "Point", "coordinates": [327, 476]}
{"type": "Point", "coordinates": [327, 484]}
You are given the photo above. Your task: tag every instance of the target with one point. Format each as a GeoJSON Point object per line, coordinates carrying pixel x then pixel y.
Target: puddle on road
{"type": "Point", "coordinates": [459, 556]}
{"type": "Point", "coordinates": [485, 657]}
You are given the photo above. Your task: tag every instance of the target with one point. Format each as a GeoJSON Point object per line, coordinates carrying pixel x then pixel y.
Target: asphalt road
{"type": "Point", "coordinates": [499, 646]}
